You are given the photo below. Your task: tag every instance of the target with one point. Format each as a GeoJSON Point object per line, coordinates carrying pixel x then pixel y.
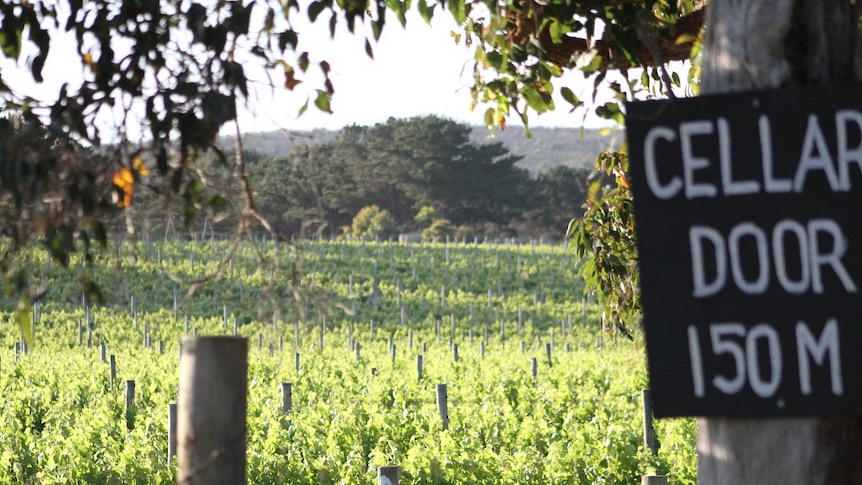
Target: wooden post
{"type": "Point", "coordinates": [130, 403]}
{"type": "Point", "coordinates": [296, 361]}
{"type": "Point", "coordinates": [388, 475]}
{"type": "Point", "coordinates": [419, 366]}
{"type": "Point", "coordinates": [653, 480]}
{"type": "Point", "coordinates": [455, 352]}
{"type": "Point", "coordinates": [286, 397]}
{"type": "Point", "coordinates": [172, 432]}
{"type": "Point", "coordinates": [211, 425]}
{"type": "Point", "coordinates": [442, 405]}
{"type": "Point", "coordinates": [113, 365]}
{"type": "Point", "coordinates": [534, 367]}
{"type": "Point", "coordinates": [649, 432]}
{"type": "Point", "coordinates": [103, 352]}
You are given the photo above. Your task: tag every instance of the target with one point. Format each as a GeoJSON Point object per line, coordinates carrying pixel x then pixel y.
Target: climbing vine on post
{"type": "Point", "coordinates": [605, 239]}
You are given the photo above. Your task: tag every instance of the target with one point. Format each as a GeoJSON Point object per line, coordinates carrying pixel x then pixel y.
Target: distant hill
{"type": "Point", "coordinates": [547, 148]}
{"type": "Point", "coordinates": [550, 147]}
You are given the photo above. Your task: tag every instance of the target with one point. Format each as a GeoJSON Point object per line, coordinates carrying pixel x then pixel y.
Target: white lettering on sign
{"type": "Point", "coordinates": [692, 163]}
{"type": "Point", "coordinates": [662, 191]}
{"type": "Point", "coordinates": [846, 154]}
{"type": "Point", "coordinates": [828, 343]}
{"type": "Point", "coordinates": [771, 184]}
{"type": "Point", "coordinates": [814, 257]}
{"type": "Point", "coordinates": [814, 157]}
{"type": "Point", "coordinates": [730, 186]}
{"type": "Point", "coordinates": [744, 348]}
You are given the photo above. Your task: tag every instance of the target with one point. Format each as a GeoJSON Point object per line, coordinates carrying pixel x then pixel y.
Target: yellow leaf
{"type": "Point", "coordinates": [138, 164]}
{"type": "Point", "coordinates": [605, 132]}
{"type": "Point", "coordinates": [621, 178]}
{"type": "Point", "coordinates": [125, 181]}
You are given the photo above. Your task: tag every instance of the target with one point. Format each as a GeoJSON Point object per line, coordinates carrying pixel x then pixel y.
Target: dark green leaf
{"type": "Point", "coordinates": [287, 38]}
{"type": "Point", "coordinates": [570, 97]}
{"type": "Point", "coordinates": [425, 11]}
{"type": "Point", "coordinates": [458, 8]}
{"type": "Point", "coordinates": [315, 9]}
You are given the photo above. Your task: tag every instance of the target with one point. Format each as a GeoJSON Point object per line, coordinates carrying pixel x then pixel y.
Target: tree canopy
{"type": "Point", "coordinates": [407, 167]}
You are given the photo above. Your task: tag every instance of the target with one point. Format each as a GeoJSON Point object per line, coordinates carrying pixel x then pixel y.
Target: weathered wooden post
{"type": "Point", "coordinates": [172, 432]}
{"type": "Point", "coordinates": [211, 421]}
{"type": "Point", "coordinates": [388, 475]}
{"type": "Point", "coordinates": [653, 480]}
{"type": "Point", "coordinates": [113, 368]}
{"type": "Point", "coordinates": [649, 432]}
{"type": "Point", "coordinates": [443, 405]}
{"type": "Point", "coordinates": [286, 397]}
{"type": "Point", "coordinates": [130, 403]}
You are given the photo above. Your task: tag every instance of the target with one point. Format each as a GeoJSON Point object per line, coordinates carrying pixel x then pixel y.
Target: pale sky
{"type": "Point", "coordinates": [417, 71]}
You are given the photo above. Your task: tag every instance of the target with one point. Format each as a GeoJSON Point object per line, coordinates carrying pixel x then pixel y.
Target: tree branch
{"type": "Point", "coordinates": [566, 52]}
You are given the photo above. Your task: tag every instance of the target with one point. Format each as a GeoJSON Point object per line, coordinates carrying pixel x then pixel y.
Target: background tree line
{"type": "Point", "coordinates": [405, 165]}
{"type": "Point", "coordinates": [423, 173]}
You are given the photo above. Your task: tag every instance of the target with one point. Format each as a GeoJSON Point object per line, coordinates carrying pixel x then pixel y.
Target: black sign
{"type": "Point", "coordinates": [748, 209]}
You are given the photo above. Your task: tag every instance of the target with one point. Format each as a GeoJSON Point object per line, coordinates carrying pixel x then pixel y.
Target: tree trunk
{"type": "Point", "coordinates": [756, 44]}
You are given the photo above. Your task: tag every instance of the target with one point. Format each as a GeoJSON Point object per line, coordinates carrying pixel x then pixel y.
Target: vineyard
{"type": "Point", "coordinates": [348, 342]}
